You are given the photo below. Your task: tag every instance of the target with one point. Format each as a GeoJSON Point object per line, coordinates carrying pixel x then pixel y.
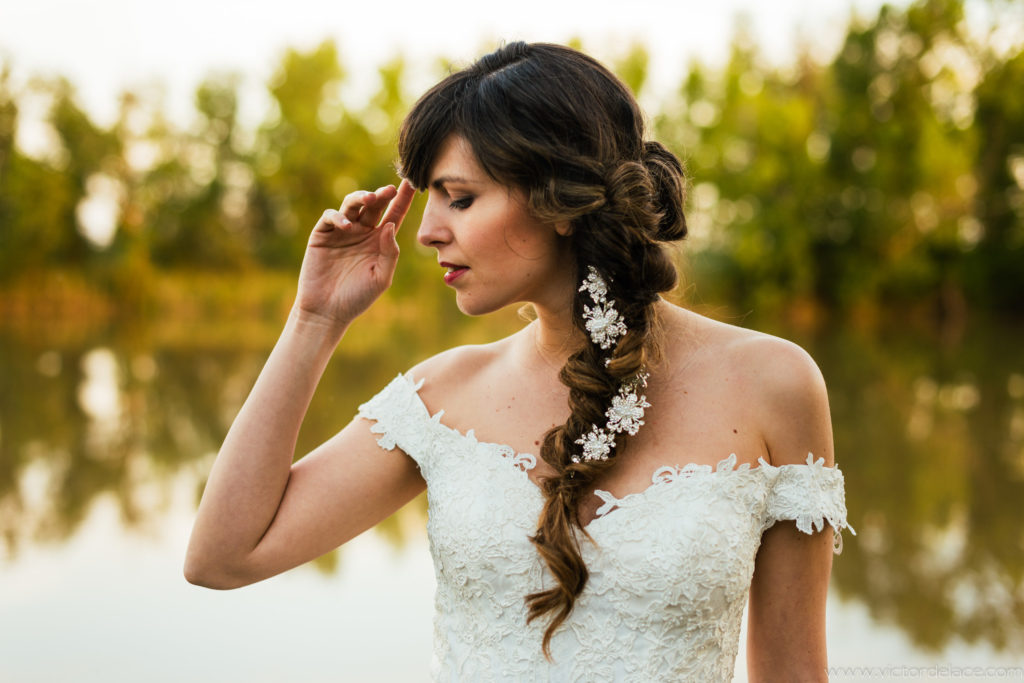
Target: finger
{"type": "Point", "coordinates": [399, 206]}
{"type": "Point", "coordinates": [329, 220]}
{"type": "Point", "coordinates": [388, 245]}
{"type": "Point", "coordinates": [353, 204]}
{"type": "Point", "coordinates": [375, 204]}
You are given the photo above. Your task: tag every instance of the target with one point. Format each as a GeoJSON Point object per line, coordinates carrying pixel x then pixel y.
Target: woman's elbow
{"type": "Point", "coordinates": [206, 574]}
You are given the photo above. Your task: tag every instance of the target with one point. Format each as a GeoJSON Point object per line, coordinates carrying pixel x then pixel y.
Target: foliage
{"type": "Point", "coordinates": [892, 176]}
{"type": "Point", "coordinates": [868, 181]}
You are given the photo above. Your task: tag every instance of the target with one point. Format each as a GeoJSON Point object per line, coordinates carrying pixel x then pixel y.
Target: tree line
{"type": "Point", "coordinates": [889, 176]}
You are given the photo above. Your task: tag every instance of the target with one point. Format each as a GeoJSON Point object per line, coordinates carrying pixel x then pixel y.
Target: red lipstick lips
{"type": "Point", "coordinates": [454, 272]}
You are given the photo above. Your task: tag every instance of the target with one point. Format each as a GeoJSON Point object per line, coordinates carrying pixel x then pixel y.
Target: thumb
{"type": "Point", "coordinates": [388, 244]}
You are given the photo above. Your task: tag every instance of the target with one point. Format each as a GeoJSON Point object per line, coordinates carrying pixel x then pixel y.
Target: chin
{"type": "Point", "coordinates": [477, 307]}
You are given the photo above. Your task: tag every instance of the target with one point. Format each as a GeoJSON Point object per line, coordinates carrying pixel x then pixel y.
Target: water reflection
{"type": "Point", "coordinates": [930, 435]}
{"type": "Point", "coordinates": [926, 435]}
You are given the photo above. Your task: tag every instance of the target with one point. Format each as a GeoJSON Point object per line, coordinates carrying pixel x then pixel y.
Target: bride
{"type": "Point", "coordinates": [606, 486]}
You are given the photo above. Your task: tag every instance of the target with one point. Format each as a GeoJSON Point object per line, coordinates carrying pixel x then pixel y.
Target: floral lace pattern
{"type": "Point", "coordinates": [670, 566]}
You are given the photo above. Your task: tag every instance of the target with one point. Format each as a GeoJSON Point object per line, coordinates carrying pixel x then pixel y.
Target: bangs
{"type": "Point", "coordinates": [485, 106]}
{"type": "Point", "coordinates": [432, 119]}
{"type": "Point", "coordinates": [531, 115]}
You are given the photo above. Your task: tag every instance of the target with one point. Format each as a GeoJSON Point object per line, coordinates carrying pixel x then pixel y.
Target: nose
{"type": "Point", "coordinates": [433, 231]}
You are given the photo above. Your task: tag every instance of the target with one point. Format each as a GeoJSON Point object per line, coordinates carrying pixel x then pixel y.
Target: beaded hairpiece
{"type": "Point", "coordinates": [626, 412]}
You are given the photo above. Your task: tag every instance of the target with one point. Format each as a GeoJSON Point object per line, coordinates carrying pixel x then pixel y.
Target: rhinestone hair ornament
{"type": "Point", "coordinates": [626, 413]}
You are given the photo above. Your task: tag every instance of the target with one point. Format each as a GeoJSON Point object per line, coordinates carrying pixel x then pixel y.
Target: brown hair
{"type": "Point", "coordinates": [558, 125]}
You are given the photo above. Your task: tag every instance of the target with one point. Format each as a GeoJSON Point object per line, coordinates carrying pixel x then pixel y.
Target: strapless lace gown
{"type": "Point", "coordinates": [669, 573]}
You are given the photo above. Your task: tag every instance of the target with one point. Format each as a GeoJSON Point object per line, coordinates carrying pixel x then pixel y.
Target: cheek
{"type": "Point", "coordinates": [532, 242]}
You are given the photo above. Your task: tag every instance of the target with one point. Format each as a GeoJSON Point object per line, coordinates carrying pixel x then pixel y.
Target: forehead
{"type": "Point", "coordinates": [455, 162]}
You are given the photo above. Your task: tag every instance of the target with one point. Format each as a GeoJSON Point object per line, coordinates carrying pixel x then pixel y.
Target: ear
{"type": "Point", "coordinates": [563, 228]}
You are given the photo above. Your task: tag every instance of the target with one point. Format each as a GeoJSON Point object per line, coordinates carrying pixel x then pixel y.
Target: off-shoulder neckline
{"type": "Point", "coordinates": [523, 463]}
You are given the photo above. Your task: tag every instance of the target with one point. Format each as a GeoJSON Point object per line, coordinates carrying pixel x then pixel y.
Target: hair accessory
{"type": "Point", "coordinates": [604, 323]}
{"type": "Point", "coordinates": [597, 445]}
{"type": "Point", "coordinates": [626, 413]}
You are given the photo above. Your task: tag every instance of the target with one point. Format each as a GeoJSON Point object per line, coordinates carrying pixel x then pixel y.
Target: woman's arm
{"type": "Point", "coordinates": [260, 514]}
{"type": "Point", "coordinates": [786, 616]}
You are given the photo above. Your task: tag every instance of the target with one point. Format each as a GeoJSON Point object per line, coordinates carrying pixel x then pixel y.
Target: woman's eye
{"type": "Point", "coordinates": [461, 203]}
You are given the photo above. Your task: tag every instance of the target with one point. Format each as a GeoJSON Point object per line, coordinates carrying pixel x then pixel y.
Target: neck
{"type": "Point", "coordinates": [553, 334]}
{"type": "Point", "coordinates": [554, 346]}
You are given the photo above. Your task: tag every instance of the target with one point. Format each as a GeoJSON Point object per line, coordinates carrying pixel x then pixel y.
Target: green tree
{"type": "Point", "coordinates": [196, 207]}
{"type": "Point", "coordinates": [996, 267]}
{"type": "Point", "coordinates": [38, 198]}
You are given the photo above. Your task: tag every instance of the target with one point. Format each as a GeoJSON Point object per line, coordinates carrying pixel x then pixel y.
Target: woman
{"type": "Point", "coordinates": [674, 475]}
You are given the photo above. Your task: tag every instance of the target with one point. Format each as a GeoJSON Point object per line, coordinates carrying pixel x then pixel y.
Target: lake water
{"type": "Point", "coordinates": [106, 437]}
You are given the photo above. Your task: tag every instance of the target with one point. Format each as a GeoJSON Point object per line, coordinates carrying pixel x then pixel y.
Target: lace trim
{"type": "Point", "coordinates": [810, 494]}
{"type": "Point", "coordinates": [400, 417]}
{"type": "Point", "coordinates": [524, 462]}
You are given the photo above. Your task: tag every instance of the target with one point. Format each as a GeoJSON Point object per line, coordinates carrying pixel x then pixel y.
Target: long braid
{"type": "Point", "coordinates": [556, 124]}
{"type": "Point", "coordinates": [592, 383]}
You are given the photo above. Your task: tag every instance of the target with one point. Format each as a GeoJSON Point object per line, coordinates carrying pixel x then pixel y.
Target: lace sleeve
{"type": "Point", "coordinates": [811, 495]}
{"type": "Point", "coordinates": [401, 419]}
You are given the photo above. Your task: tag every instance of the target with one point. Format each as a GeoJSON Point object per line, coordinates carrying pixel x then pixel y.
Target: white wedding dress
{"type": "Point", "coordinates": [670, 568]}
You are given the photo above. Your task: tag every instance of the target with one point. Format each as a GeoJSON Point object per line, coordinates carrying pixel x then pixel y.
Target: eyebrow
{"type": "Point", "coordinates": [439, 183]}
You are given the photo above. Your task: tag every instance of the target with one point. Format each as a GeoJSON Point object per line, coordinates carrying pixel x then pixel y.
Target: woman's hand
{"type": "Point", "coordinates": [258, 517]}
{"type": "Point", "coordinates": [351, 256]}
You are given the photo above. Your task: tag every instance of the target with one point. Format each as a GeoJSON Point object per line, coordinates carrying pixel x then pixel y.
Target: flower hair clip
{"type": "Point", "coordinates": [603, 322]}
{"type": "Point", "coordinates": [626, 413]}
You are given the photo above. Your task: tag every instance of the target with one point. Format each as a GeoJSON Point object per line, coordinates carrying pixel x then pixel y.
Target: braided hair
{"type": "Point", "coordinates": [558, 125]}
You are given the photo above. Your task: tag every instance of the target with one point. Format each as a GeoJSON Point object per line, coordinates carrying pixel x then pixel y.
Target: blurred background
{"type": "Point", "coordinates": [856, 185]}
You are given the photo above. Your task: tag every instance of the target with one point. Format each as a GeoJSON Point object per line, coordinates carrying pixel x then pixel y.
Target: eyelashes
{"type": "Point", "coordinates": [461, 203]}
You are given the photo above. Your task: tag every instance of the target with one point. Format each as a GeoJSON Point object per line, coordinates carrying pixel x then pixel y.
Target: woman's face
{"type": "Point", "coordinates": [493, 251]}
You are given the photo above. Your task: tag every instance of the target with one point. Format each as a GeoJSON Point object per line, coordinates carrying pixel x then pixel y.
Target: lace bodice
{"type": "Point", "coordinates": [670, 567]}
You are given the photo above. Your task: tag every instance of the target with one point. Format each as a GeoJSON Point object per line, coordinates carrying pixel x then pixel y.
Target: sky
{"type": "Point", "coordinates": [105, 46]}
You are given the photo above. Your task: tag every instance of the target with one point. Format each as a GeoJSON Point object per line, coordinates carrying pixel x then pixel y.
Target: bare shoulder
{"type": "Point", "coordinates": [778, 383]}
{"type": "Point", "coordinates": [783, 371]}
{"type": "Point", "coordinates": [452, 372]}
{"type": "Point", "coordinates": [790, 395]}
{"type": "Point", "coordinates": [777, 366]}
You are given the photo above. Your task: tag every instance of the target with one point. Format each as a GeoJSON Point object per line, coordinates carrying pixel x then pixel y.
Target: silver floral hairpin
{"type": "Point", "coordinates": [604, 323]}
{"type": "Point", "coordinates": [626, 413]}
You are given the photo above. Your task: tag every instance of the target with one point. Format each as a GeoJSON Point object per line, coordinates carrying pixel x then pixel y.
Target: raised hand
{"type": "Point", "coordinates": [351, 256]}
